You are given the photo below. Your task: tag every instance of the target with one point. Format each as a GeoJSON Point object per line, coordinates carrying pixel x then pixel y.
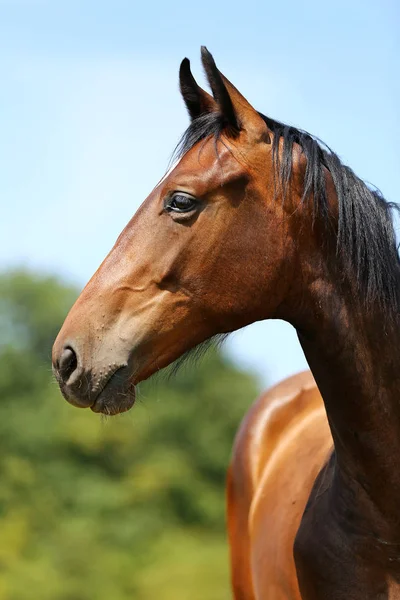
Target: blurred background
{"type": "Point", "coordinates": [133, 507]}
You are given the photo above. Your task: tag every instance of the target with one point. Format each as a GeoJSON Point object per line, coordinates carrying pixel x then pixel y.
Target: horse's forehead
{"type": "Point", "coordinates": [212, 161]}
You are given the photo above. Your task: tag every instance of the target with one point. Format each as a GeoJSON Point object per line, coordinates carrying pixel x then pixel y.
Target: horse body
{"type": "Point", "coordinates": [280, 448]}
{"type": "Point", "coordinates": [282, 465]}
{"type": "Point", "coordinates": [256, 221]}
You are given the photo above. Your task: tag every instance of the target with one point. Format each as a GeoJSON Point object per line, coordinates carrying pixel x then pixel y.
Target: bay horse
{"type": "Point", "coordinates": [260, 220]}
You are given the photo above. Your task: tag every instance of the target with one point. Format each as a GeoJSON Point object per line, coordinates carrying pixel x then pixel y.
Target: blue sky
{"type": "Point", "coordinates": [90, 113]}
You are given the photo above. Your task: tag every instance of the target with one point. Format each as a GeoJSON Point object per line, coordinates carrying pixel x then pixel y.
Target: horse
{"type": "Point", "coordinates": [260, 220]}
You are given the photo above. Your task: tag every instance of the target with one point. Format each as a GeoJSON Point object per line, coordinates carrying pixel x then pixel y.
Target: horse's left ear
{"type": "Point", "coordinates": [238, 112]}
{"type": "Point", "coordinates": [198, 102]}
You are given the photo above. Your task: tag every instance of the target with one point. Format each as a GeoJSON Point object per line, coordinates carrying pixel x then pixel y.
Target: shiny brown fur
{"type": "Point", "coordinates": [280, 448]}
{"type": "Point", "coordinates": [258, 221]}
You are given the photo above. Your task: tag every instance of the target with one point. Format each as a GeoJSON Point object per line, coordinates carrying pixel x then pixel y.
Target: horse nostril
{"type": "Point", "coordinates": [67, 364]}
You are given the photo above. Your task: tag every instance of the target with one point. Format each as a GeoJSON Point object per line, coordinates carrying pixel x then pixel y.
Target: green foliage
{"type": "Point", "coordinates": [120, 508]}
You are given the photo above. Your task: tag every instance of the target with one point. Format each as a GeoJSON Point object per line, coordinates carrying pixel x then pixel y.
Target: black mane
{"type": "Point", "coordinates": [365, 238]}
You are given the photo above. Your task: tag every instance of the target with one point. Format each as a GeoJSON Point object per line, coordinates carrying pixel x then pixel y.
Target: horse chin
{"type": "Point", "coordinates": [117, 396]}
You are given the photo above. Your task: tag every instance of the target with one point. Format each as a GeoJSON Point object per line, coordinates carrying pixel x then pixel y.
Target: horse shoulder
{"type": "Point", "coordinates": [279, 449]}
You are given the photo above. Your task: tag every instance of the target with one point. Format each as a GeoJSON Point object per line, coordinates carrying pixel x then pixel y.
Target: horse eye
{"type": "Point", "coordinates": [181, 202]}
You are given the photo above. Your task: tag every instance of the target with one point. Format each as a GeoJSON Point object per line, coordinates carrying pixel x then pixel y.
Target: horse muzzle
{"type": "Point", "coordinates": [104, 387]}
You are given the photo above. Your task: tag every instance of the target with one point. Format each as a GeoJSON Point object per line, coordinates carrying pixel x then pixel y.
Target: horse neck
{"type": "Point", "coordinates": [353, 352]}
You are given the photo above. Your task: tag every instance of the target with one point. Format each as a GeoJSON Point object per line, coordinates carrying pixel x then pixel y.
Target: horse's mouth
{"type": "Point", "coordinates": [117, 396]}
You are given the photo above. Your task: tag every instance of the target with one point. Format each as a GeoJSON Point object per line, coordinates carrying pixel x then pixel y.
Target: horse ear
{"type": "Point", "coordinates": [198, 102]}
{"type": "Point", "coordinates": [238, 112]}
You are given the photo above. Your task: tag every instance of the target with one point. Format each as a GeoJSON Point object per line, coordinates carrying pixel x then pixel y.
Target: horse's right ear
{"type": "Point", "coordinates": [198, 102]}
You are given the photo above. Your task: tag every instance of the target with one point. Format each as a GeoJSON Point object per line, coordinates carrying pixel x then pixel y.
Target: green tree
{"type": "Point", "coordinates": [121, 508]}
